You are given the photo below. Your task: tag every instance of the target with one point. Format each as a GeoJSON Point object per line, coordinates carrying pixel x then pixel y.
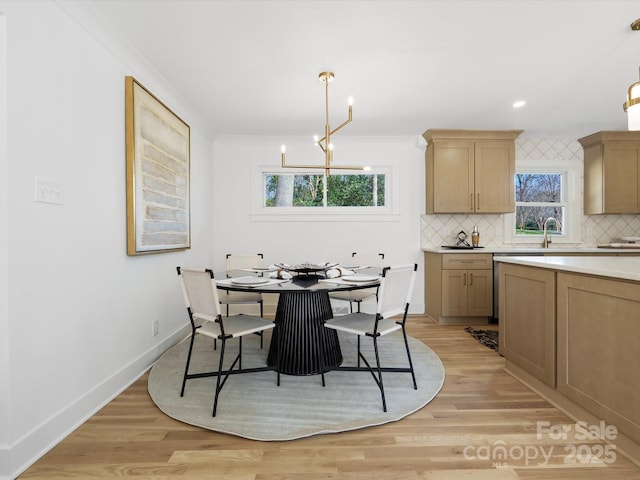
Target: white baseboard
{"type": "Point", "coordinates": [4, 462]}
{"type": "Point", "coordinates": [16, 458]}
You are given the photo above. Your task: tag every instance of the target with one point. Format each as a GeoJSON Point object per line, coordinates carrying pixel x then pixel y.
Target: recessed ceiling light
{"type": "Point", "coordinates": [519, 104]}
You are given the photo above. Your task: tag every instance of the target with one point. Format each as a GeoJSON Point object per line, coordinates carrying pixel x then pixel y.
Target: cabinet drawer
{"type": "Point", "coordinates": [464, 261]}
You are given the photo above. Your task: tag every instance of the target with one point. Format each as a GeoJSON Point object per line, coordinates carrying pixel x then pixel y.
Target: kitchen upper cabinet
{"type": "Point", "coordinates": [470, 171]}
{"type": "Point", "coordinates": [611, 172]}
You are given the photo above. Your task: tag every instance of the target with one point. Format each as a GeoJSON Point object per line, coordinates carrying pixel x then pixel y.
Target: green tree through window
{"type": "Point", "coordinates": [351, 190]}
{"type": "Point", "coordinates": [538, 197]}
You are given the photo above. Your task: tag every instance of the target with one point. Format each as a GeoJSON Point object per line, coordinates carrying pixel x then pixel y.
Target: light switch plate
{"type": "Point", "coordinates": [49, 191]}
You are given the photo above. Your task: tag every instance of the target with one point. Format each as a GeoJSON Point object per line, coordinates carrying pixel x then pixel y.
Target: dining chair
{"type": "Point", "coordinates": [203, 307]}
{"type": "Point", "coordinates": [359, 296]}
{"type": "Point", "coordinates": [394, 296]}
{"type": "Point", "coordinates": [237, 262]}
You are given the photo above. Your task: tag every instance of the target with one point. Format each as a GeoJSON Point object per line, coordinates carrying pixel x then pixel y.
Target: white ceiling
{"type": "Point", "coordinates": [251, 66]}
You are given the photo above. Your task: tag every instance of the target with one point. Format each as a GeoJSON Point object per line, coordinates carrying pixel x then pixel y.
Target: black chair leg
{"type": "Point", "coordinates": [218, 379]}
{"type": "Point", "coordinates": [186, 368]}
{"type": "Point", "coordinates": [380, 385]}
{"type": "Point", "coordinates": [261, 315]}
{"type": "Point", "coordinates": [278, 357]}
{"type": "Point", "coordinates": [322, 364]}
{"type": "Point", "coordinates": [406, 345]}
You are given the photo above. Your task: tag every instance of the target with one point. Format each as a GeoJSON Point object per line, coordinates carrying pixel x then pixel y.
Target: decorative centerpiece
{"type": "Point", "coordinates": [306, 268]}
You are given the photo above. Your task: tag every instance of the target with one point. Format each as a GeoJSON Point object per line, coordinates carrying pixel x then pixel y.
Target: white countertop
{"type": "Point", "coordinates": [538, 251]}
{"type": "Point", "coordinates": [627, 268]}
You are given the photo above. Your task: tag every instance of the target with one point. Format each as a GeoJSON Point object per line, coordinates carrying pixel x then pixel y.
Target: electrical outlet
{"type": "Point", "coordinates": [49, 191]}
{"type": "Point", "coordinates": [155, 328]}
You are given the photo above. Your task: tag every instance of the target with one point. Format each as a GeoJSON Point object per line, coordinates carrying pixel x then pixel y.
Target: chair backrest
{"type": "Point", "coordinates": [396, 288]}
{"type": "Point", "coordinates": [367, 259]}
{"type": "Point", "coordinates": [200, 293]}
{"type": "Point", "coordinates": [236, 261]}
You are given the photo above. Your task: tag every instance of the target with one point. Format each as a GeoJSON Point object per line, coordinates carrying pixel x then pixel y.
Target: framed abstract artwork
{"type": "Point", "coordinates": [158, 156]}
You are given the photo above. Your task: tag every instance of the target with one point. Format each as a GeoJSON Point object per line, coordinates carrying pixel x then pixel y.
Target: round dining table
{"type": "Point", "coordinates": [307, 347]}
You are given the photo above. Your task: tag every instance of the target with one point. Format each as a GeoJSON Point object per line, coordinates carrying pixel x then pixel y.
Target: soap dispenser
{"type": "Point", "coordinates": [475, 237]}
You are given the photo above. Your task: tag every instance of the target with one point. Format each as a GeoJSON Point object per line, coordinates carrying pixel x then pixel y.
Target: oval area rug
{"type": "Point", "coordinates": [252, 405]}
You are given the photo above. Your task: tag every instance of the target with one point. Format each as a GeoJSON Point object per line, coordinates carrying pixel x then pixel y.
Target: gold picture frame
{"type": "Point", "coordinates": [158, 165]}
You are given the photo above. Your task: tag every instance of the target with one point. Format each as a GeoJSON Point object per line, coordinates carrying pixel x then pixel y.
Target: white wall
{"type": "Point", "coordinates": [75, 310]}
{"type": "Point", "coordinates": [4, 317]}
{"type": "Point", "coordinates": [315, 237]}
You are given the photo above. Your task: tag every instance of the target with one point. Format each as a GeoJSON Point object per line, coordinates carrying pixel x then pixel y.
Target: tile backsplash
{"type": "Point", "coordinates": [441, 229]}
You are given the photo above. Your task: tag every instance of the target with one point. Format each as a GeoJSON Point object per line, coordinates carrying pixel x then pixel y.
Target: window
{"type": "Point", "coordinates": [539, 196]}
{"type": "Point", "coordinates": [341, 190]}
{"type": "Point", "coordinates": [304, 195]}
{"type": "Point", "coordinates": [543, 192]}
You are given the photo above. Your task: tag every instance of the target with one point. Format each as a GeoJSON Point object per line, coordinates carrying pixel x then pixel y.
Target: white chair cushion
{"type": "Point", "coordinates": [210, 329]}
{"type": "Point", "coordinates": [236, 326]}
{"type": "Point", "coordinates": [353, 296]}
{"type": "Point", "coordinates": [239, 325]}
{"type": "Point", "coordinates": [361, 324]}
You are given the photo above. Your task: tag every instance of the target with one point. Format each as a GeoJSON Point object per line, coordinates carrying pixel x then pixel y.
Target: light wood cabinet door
{"type": "Point", "coordinates": [494, 176]}
{"type": "Point", "coordinates": [453, 176]}
{"type": "Point", "coordinates": [621, 178]}
{"type": "Point", "coordinates": [454, 293]}
{"type": "Point", "coordinates": [467, 293]}
{"type": "Point", "coordinates": [598, 355]}
{"type": "Point", "coordinates": [480, 293]}
{"type": "Point", "coordinates": [612, 172]}
{"type": "Point", "coordinates": [528, 319]}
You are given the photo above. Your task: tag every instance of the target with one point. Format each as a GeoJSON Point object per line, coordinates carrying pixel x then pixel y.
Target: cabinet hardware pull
{"type": "Point", "coordinates": [464, 279]}
{"type": "Point", "coordinates": [478, 205]}
{"type": "Point", "coordinates": [471, 279]}
{"type": "Point", "coordinates": [471, 202]}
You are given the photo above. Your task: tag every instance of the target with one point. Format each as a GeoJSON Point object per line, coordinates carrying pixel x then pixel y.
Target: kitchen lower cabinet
{"type": "Point", "coordinates": [467, 292]}
{"type": "Point", "coordinates": [528, 319]}
{"type": "Point", "coordinates": [573, 337]}
{"type": "Point", "coordinates": [598, 352]}
{"type": "Point", "coordinates": [459, 287]}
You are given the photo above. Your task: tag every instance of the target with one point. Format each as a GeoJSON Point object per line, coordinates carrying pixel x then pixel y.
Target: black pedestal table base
{"type": "Point", "coordinates": [300, 331]}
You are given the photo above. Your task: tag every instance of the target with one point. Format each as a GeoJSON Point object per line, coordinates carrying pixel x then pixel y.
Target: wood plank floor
{"type": "Point", "coordinates": [480, 409]}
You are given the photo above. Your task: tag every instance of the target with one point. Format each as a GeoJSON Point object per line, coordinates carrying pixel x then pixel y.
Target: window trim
{"type": "Point", "coordinates": [573, 210]}
{"type": "Point", "coordinates": [259, 212]}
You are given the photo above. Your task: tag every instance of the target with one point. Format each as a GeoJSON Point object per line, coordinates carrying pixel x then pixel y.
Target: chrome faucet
{"type": "Point", "coordinates": [546, 240]}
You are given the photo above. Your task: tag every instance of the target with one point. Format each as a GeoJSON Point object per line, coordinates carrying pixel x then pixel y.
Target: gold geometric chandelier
{"type": "Point", "coordinates": [632, 105]}
{"type": "Point", "coordinates": [325, 142]}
